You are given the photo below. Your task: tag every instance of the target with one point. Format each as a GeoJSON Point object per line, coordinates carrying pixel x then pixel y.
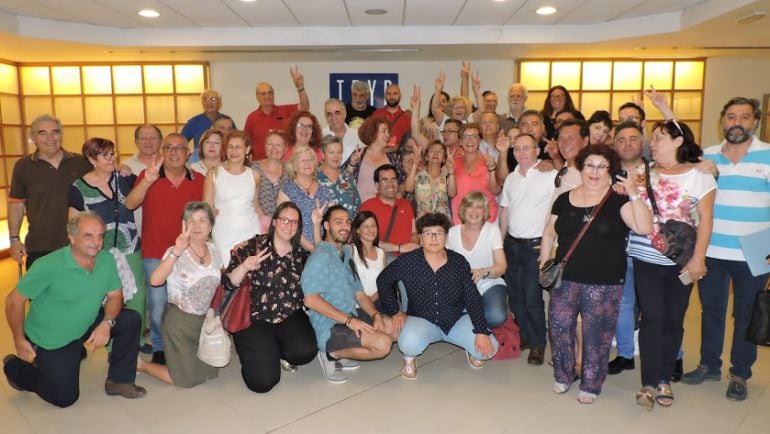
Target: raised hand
{"type": "Point", "coordinates": [476, 80]}
{"type": "Point", "coordinates": [450, 161]}
{"type": "Point", "coordinates": [440, 81]}
{"type": "Point", "coordinates": [318, 212]}
{"type": "Point", "coordinates": [503, 144]}
{"type": "Point", "coordinates": [183, 240]}
{"type": "Point", "coordinates": [297, 78]}
{"type": "Point", "coordinates": [488, 160]}
{"type": "Point", "coordinates": [465, 70]}
{"type": "Point", "coordinates": [253, 262]}
{"type": "Point", "coordinates": [414, 102]}
{"type": "Point", "coordinates": [152, 173]}
{"type": "Point", "coordinates": [355, 157]}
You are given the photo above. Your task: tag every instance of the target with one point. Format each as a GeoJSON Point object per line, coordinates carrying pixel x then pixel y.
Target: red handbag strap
{"type": "Point", "coordinates": [585, 227]}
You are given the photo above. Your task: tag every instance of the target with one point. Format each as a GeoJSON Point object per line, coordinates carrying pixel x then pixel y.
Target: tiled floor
{"type": "Point", "coordinates": [448, 397]}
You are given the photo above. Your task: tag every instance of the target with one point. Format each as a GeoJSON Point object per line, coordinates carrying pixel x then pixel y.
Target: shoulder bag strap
{"type": "Point", "coordinates": [650, 193]}
{"type": "Point", "coordinates": [585, 227]}
{"type": "Point", "coordinates": [392, 221]}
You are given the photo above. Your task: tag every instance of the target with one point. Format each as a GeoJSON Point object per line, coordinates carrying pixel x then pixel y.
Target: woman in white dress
{"type": "Point", "coordinates": [367, 256]}
{"type": "Point", "coordinates": [232, 189]}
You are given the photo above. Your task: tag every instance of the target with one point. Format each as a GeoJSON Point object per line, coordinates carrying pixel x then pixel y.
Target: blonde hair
{"type": "Point", "coordinates": [471, 198]}
{"type": "Point", "coordinates": [297, 151]}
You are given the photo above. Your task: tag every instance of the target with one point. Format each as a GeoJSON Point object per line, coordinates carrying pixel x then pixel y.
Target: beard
{"type": "Point", "coordinates": [393, 103]}
{"type": "Point", "coordinates": [737, 134]}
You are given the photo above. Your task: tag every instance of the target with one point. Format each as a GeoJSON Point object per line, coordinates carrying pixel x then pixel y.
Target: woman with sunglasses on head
{"type": "Point", "coordinates": [103, 191]}
{"type": "Point", "coordinates": [280, 330]}
{"type": "Point", "coordinates": [592, 283]}
{"type": "Point", "coordinates": [683, 193]}
{"type": "Point", "coordinates": [232, 190]}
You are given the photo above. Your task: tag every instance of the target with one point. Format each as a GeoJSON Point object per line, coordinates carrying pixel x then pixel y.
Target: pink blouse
{"type": "Point", "coordinates": [477, 180]}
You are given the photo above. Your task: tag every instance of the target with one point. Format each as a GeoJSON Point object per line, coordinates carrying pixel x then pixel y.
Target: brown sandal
{"type": "Point", "coordinates": [663, 395]}
{"type": "Point", "coordinates": [646, 397]}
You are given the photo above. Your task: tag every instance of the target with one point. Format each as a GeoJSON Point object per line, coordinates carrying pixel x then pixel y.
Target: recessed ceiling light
{"type": "Point", "coordinates": [149, 13]}
{"type": "Point", "coordinates": [546, 10]}
{"type": "Point", "coordinates": [375, 12]}
{"type": "Point", "coordinates": [498, 1]}
{"type": "Point", "coordinates": [248, 1]}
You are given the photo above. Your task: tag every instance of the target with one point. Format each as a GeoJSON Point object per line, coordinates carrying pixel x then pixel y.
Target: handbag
{"type": "Point", "coordinates": [551, 271]}
{"type": "Point", "coordinates": [508, 339]}
{"type": "Point", "coordinates": [214, 344]}
{"type": "Point", "coordinates": [758, 331]}
{"type": "Point", "coordinates": [235, 310]}
{"type": "Point", "coordinates": [675, 239]}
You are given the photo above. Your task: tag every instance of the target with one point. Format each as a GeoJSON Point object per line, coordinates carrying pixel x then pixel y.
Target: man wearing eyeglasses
{"type": "Point", "coordinates": [444, 304]}
{"type": "Point", "coordinates": [163, 189]}
{"type": "Point", "coordinates": [335, 113]}
{"type": "Point", "coordinates": [269, 116]}
{"type": "Point", "coordinates": [450, 135]}
{"type": "Point", "coordinates": [525, 204]}
{"type": "Point", "coordinates": [211, 101]}
{"type": "Point", "coordinates": [39, 187]}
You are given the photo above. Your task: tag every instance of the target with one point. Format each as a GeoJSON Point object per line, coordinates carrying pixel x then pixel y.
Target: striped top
{"type": "Point", "coordinates": [742, 203]}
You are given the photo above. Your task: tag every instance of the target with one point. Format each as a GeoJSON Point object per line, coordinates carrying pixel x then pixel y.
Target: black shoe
{"type": "Point", "coordinates": [619, 365]}
{"type": "Point", "coordinates": [523, 344]}
{"type": "Point", "coordinates": [159, 357]}
{"type": "Point", "coordinates": [536, 356]}
{"type": "Point", "coordinates": [83, 353]}
{"type": "Point", "coordinates": [7, 359]}
{"type": "Point", "coordinates": [676, 375]}
{"type": "Point", "coordinates": [146, 348]}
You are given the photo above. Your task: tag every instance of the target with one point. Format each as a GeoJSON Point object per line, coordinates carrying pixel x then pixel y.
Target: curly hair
{"type": "Point", "coordinates": [367, 132]}
{"type": "Point", "coordinates": [291, 129]}
{"type": "Point", "coordinates": [604, 151]}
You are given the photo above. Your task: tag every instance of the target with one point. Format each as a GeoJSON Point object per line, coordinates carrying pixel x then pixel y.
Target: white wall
{"type": "Point", "coordinates": [237, 81]}
{"type": "Point", "coordinates": [727, 77]}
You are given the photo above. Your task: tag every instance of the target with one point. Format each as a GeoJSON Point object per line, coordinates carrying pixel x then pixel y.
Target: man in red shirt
{"type": "Point", "coordinates": [163, 189]}
{"type": "Point", "coordinates": [400, 235]}
{"type": "Point", "coordinates": [269, 116]}
{"type": "Point", "coordinates": [399, 120]}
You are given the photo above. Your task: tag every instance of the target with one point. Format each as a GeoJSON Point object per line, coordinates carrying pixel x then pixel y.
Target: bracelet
{"type": "Point", "coordinates": [173, 255]}
{"type": "Point", "coordinates": [633, 197]}
{"type": "Point", "coordinates": [490, 170]}
{"type": "Point", "coordinates": [14, 238]}
{"type": "Point", "coordinates": [347, 321]}
{"type": "Point", "coordinates": [301, 90]}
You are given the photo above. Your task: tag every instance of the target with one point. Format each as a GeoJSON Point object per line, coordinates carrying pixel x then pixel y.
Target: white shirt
{"type": "Point", "coordinates": [527, 200]}
{"type": "Point", "coordinates": [136, 166]}
{"type": "Point", "coordinates": [350, 140]}
{"type": "Point", "coordinates": [481, 255]}
{"type": "Point", "coordinates": [191, 285]}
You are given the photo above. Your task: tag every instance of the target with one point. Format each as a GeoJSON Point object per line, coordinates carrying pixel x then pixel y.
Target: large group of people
{"type": "Point", "coordinates": [387, 227]}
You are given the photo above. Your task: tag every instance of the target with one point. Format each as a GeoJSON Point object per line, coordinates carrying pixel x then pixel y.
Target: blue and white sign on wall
{"type": "Point", "coordinates": [339, 85]}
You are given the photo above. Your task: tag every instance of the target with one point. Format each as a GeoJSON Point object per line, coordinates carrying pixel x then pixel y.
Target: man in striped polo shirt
{"type": "Point", "coordinates": [742, 207]}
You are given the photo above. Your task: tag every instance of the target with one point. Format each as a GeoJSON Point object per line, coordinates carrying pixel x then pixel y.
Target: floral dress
{"type": "Point", "coordinates": [430, 194]}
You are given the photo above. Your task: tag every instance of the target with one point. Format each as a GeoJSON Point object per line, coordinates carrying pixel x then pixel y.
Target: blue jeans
{"type": "Point", "coordinates": [495, 305]}
{"type": "Point", "coordinates": [157, 297]}
{"type": "Point", "coordinates": [525, 296]}
{"type": "Point", "coordinates": [418, 333]}
{"type": "Point", "coordinates": [624, 331]}
{"type": "Point", "coordinates": [714, 291]}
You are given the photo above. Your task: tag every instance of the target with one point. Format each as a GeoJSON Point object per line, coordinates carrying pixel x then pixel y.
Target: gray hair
{"type": "Point", "coordinates": [192, 207]}
{"type": "Point", "coordinates": [44, 118]}
{"type": "Point", "coordinates": [328, 140]}
{"type": "Point", "coordinates": [360, 85]}
{"type": "Point", "coordinates": [73, 225]}
{"type": "Point", "coordinates": [739, 100]}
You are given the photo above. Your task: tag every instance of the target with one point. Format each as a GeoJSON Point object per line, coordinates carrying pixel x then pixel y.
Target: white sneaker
{"type": "Point", "coordinates": [348, 365]}
{"type": "Point", "coordinates": [288, 367]}
{"type": "Point", "coordinates": [331, 373]}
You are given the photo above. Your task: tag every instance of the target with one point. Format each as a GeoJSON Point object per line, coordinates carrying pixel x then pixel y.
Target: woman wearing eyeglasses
{"type": "Point", "coordinates": [232, 191]}
{"type": "Point", "coordinates": [682, 193]}
{"type": "Point", "coordinates": [280, 330]}
{"type": "Point", "coordinates": [103, 191]}
{"type": "Point", "coordinates": [303, 129]}
{"type": "Point", "coordinates": [592, 281]}
{"type": "Point", "coordinates": [473, 170]}
{"type": "Point", "coordinates": [557, 100]}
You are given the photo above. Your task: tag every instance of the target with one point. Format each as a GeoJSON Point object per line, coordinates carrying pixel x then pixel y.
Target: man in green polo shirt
{"type": "Point", "coordinates": [67, 287]}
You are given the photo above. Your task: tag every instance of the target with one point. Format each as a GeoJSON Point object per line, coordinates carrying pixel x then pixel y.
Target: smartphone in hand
{"type": "Point", "coordinates": [685, 278]}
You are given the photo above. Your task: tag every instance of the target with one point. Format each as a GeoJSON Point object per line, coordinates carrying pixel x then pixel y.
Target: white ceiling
{"type": "Point", "coordinates": [426, 27]}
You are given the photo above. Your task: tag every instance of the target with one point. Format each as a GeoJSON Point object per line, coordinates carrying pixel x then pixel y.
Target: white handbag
{"type": "Point", "coordinates": [214, 343]}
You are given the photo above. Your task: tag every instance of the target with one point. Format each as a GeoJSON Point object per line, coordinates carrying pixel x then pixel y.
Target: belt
{"type": "Point", "coordinates": [527, 241]}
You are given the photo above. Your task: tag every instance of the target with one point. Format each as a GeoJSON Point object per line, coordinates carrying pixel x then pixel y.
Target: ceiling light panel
{"type": "Point", "coordinates": [168, 17]}
{"type": "Point", "coordinates": [318, 13]}
{"type": "Point", "coordinates": [263, 13]}
{"type": "Point", "coordinates": [432, 12]}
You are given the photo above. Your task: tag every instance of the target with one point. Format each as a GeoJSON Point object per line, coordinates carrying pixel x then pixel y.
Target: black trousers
{"type": "Point", "coordinates": [34, 256]}
{"type": "Point", "coordinates": [663, 301]}
{"type": "Point", "coordinates": [262, 346]}
{"type": "Point", "coordinates": [55, 374]}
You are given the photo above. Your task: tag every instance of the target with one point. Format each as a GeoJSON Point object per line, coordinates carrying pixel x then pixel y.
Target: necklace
{"type": "Point", "coordinates": [306, 190]}
{"type": "Point", "coordinates": [588, 214]}
{"type": "Point", "coordinates": [201, 258]}
{"type": "Point", "coordinates": [669, 167]}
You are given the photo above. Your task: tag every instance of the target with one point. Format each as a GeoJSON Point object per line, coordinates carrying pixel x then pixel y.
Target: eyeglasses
{"type": "Point", "coordinates": [557, 96]}
{"type": "Point", "coordinates": [301, 126]}
{"type": "Point", "coordinates": [287, 221]}
{"type": "Point", "coordinates": [471, 136]}
{"type": "Point", "coordinates": [559, 175]}
{"type": "Point", "coordinates": [211, 99]}
{"type": "Point", "coordinates": [435, 235]}
{"type": "Point", "coordinates": [529, 124]}
{"type": "Point", "coordinates": [524, 149]}
{"type": "Point", "coordinates": [596, 167]}
{"type": "Point", "coordinates": [450, 131]}
{"type": "Point", "coordinates": [175, 149]}
{"type": "Point", "coordinates": [107, 155]}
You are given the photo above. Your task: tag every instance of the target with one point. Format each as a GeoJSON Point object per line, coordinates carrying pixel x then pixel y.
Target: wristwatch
{"type": "Point", "coordinates": [110, 322]}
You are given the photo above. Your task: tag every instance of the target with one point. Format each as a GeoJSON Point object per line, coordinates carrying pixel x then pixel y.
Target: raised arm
{"type": "Point", "coordinates": [477, 95]}
{"type": "Point", "coordinates": [299, 83]}
{"type": "Point", "coordinates": [415, 104]}
{"type": "Point", "coordinates": [465, 72]}
{"type": "Point", "coordinates": [437, 114]}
